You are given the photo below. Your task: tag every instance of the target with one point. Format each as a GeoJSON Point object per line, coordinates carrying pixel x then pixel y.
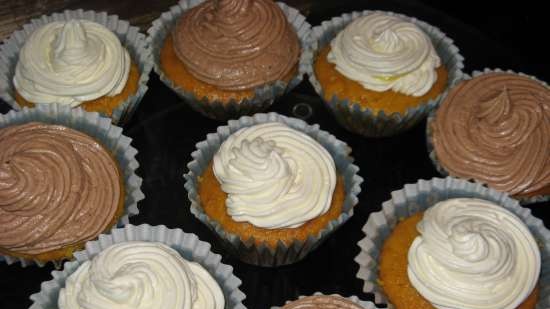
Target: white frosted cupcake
{"type": "Point", "coordinates": [449, 243]}
{"type": "Point", "coordinates": [84, 59]}
{"type": "Point", "coordinates": [380, 73]}
{"type": "Point", "coordinates": [143, 267]}
{"type": "Point", "coordinates": [272, 187]}
{"type": "Point", "coordinates": [140, 274]}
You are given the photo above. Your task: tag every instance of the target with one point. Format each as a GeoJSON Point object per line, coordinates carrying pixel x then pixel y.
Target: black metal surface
{"type": "Point", "coordinates": [165, 132]}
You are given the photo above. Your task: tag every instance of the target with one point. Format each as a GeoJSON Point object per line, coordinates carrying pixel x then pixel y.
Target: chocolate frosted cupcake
{"type": "Point", "coordinates": [77, 58]}
{"type": "Point", "coordinates": [58, 188]}
{"type": "Point", "coordinates": [227, 57]}
{"type": "Point", "coordinates": [65, 177]}
{"type": "Point", "coordinates": [495, 129]}
{"type": "Point", "coordinates": [320, 301]}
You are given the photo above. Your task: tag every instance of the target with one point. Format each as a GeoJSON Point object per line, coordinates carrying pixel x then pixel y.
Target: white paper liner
{"type": "Point", "coordinates": [188, 245]}
{"type": "Point", "coordinates": [247, 250]}
{"type": "Point", "coordinates": [98, 127]}
{"type": "Point", "coordinates": [264, 95]}
{"type": "Point", "coordinates": [429, 135]}
{"type": "Point", "coordinates": [417, 197]}
{"type": "Point", "coordinates": [353, 298]}
{"type": "Point", "coordinates": [129, 36]}
{"type": "Point", "coordinates": [365, 121]}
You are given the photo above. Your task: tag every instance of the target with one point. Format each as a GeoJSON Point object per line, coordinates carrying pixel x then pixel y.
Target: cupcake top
{"type": "Point", "coordinates": [58, 187]}
{"type": "Point", "coordinates": [275, 176]}
{"type": "Point", "coordinates": [472, 253]}
{"type": "Point", "coordinates": [236, 44]}
{"type": "Point", "coordinates": [140, 275]}
{"type": "Point", "coordinates": [71, 62]}
{"type": "Point", "coordinates": [322, 302]}
{"type": "Point", "coordinates": [384, 52]}
{"type": "Point", "coordinates": [495, 128]}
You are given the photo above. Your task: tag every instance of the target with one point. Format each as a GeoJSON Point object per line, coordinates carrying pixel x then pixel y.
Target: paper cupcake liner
{"type": "Point", "coordinates": [354, 299]}
{"type": "Point", "coordinates": [100, 128]}
{"type": "Point", "coordinates": [365, 121]}
{"type": "Point", "coordinates": [417, 197]}
{"type": "Point", "coordinates": [264, 96]}
{"type": "Point", "coordinates": [246, 249]}
{"type": "Point", "coordinates": [188, 245]}
{"type": "Point", "coordinates": [429, 136]}
{"type": "Point", "coordinates": [129, 36]}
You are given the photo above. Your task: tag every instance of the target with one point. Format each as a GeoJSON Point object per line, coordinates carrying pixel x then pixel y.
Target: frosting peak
{"type": "Point", "coordinates": [275, 176]}
{"type": "Point", "coordinates": [383, 52]}
{"type": "Point", "coordinates": [473, 254]}
{"type": "Point", "coordinates": [140, 275]}
{"type": "Point", "coordinates": [70, 63]}
{"type": "Point", "coordinates": [236, 44]}
{"type": "Point", "coordinates": [495, 128]}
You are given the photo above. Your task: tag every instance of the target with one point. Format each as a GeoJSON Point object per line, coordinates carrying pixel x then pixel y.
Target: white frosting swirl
{"type": "Point", "coordinates": [473, 254]}
{"type": "Point", "coordinates": [71, 62]}
{"type": "Point", "coordinates": [275, 176]}
{"type": "Point", "coordinates": [140, 275]}
{"type": "Point", "coordinates": [383, 52]}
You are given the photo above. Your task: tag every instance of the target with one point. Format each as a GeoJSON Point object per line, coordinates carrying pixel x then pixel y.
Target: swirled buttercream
{"type": "Point", "coordinates": [58, 187]}
{"type": "Point", "coordinates": [274, 176]}
{"type": "Point", "coordinates": [473, 254]}
{"type": "Point", "coordinates": [140, 275]}
{"type": "Point", "coordinates": [70, 63]}
{"type": "Point", "coordinates": [322, 302]}
{"type": "Point", "coordinates": [495, 128]}
{"type": "Point", "coordinates": [383, 52]}
{"type": "Point", "coordinates": [237, 44]}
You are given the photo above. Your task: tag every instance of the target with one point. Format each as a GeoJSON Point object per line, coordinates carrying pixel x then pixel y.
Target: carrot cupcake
{"type": "Point", "coordinates": [59, 186]}
{"type": "Point", "coordinates": [77, 59]}
{"type": "Point", "coordinates": [495, 128]}
{"type": "Point", "coordinates": [230, 57]}
{"type": "Point", "coordinates": [380, 72]}
{"type": "Point", "coordinates": [449, 243]}
{"type": "Point", "coordinates": [142, 267]}
{"type": "Point", "coordinates": [272, 187]}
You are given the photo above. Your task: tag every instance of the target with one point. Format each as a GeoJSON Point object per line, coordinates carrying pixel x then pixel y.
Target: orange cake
{"type": "Point", "coordinates": [42, 217]}
{"type": "Point", "coordinates": [389, 101]}
{"type": "Point", "coordinates": [105, 104]}
{"type": "Point", "coordinates": [203, 56]}
{"type": "Point", "coordinates": [394, 263]}
{"type": "Point", "coordinates": [213, 200]}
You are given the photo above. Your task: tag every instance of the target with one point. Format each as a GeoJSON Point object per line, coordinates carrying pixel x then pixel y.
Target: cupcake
{"type": "Point", "coordinates": [84, 59]}
{"type": "Point", "coordinates": [449, 243]}
{"type": "Point", "coordinates": [65, 177]}
{"type": "Point", "coordinates": [229, 57]}
{"type": "Point", "coordinates": [320, 301]}
{"type": "Point", "coordinates": [380, 72]}
{"type": "Point", "coordinates": [143, 267]}
{"type": "Point", "coordinates": [272, 187]}
{"type": "Point", "coordinates": [495, 128]}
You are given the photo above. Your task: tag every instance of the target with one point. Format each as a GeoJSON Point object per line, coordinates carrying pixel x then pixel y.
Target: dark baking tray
{"type": "Point", "coordinates": [165, 131]}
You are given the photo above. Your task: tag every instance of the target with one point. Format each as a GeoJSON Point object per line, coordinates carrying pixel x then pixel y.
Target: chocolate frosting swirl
{"type": "Point", "coordinates": [495, 129]}
{"type": "Point", "coordinates": [322, 302]}
{"type": "Point", "coordinates": [58, 187]}
{"type": "Point", "coordinates": [236, 44]}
